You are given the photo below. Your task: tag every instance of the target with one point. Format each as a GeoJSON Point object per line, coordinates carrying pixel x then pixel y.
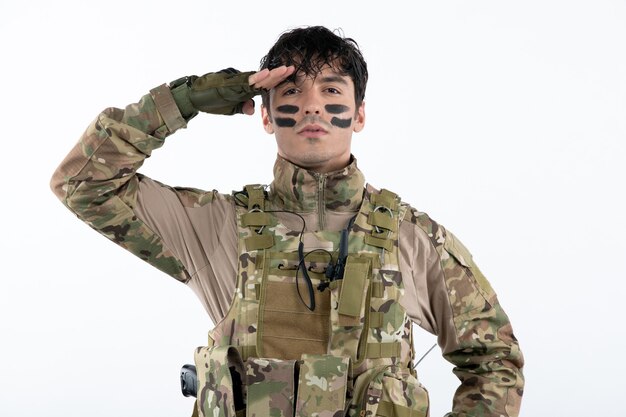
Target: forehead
{"type": "Point", "coordinates": [327, 74]}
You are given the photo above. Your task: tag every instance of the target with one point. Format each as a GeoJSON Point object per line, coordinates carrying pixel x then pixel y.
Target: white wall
{"type": "Point", "coordinates": [505, 121]}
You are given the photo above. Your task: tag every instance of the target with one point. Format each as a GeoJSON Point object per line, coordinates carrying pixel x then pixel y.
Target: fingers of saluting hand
{"type": "Point", "coordinates": [269, 79]}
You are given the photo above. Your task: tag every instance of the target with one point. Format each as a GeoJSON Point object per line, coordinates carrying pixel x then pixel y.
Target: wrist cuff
{"type": "Point", "coordinates": [167, 108]}
{"type": "Point", "coordinates": [180, 91]}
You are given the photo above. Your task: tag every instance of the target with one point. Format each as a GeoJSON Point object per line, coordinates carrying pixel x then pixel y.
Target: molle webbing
{"type": "Point", "coordinates": [256, 219]}
{"type": "Point", "coordinates": [303, 361]}
{"type": "Point", "coordinates": [256, 196]}
{"type": "Point", "coordinates": [384, 218]}
{"type": "Point", "coordinates": [362, 318]}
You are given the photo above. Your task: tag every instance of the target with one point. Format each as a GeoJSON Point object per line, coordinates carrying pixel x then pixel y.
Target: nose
{"type": "Point", "coordinates": [312, 104]}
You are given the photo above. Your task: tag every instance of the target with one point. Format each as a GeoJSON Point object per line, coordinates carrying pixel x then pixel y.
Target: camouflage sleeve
{"type": "Point", "coordinates": [487, 357]}
{"type": "Point", "coordinates": [97, 180]}
{"type": "Point", "coordinates": [474, 332]}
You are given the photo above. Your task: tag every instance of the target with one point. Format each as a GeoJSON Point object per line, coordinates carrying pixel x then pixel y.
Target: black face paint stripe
{"type": "Point", "coordinates": [288, 108]}
{"type": "Point", "coordinates": [336, 108]}
{"type": "Point", "coordinates": [285, 121]}
{"type": "Point", "coordinates": [343, 123]}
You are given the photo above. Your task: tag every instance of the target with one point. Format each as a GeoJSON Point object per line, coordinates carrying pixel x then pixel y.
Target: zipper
{"type": "Point", "coordinates": [321, 207]}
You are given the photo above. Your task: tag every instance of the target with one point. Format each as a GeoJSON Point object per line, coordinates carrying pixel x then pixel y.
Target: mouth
{"type": "Point", "coordinates": [312, 130]}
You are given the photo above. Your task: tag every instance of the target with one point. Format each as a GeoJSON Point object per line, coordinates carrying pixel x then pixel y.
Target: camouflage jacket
{"type": "Point", "coordinates": [191, 235]}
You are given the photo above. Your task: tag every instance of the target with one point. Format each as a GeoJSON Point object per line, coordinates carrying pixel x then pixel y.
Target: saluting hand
{"type": "Point", "coordinates": [266, 79]}
{"type": "Point", "coordinates": [230, 91]}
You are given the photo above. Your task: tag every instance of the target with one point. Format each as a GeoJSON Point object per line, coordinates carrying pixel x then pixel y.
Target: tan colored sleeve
{"type": "Point", "coordinates": [200, 229]}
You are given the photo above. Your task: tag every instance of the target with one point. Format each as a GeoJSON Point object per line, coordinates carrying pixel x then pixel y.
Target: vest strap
{"type": "Point", "coordinates": [388, 409]}
{"type": "Point", "coordinates": [386, 244]}
{"type": "Point", "coordinates": [382, 219]}
{"type": "Point", "coordinates": [385, 198]}
{"type": "Point", "coordinates": [255, 218]}
{"type": "Point", "coordinates": [378, 289]}
{"type": "Point", "coordinates": [256, 196]}
{"type": "Point", "coordinates": [383, 350]}
{"type": "Point", "coordinates": [376, 319]}
{"type": "Point", "coordinates": [256, 242]}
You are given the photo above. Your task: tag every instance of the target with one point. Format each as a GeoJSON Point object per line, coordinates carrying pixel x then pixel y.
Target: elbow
{"type": "Point", "coordinates": [58, 185]}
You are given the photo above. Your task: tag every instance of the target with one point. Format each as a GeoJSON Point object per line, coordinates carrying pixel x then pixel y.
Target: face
{"type": "Point", "coordinates": [313, 120]}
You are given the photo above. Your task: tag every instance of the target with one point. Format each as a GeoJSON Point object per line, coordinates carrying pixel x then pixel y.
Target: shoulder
{"type": "Point", "coordinates": [421, 223]}
{"type": "Point", "coordinates": [411, 219]}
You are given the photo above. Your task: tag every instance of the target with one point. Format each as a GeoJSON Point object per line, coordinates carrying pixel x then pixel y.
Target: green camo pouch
{"type": "Point", "coordinates": [221, 392]}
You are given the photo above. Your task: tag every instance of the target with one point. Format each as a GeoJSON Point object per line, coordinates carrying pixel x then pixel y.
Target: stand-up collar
{"type": "Point", "coordinates": [300, 190]}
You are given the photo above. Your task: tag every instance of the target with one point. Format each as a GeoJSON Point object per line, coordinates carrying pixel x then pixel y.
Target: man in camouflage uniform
{"type": "Point", "coordinates": [312, 84]}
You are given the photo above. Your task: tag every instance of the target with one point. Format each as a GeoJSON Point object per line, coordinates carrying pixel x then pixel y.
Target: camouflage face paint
{"type": "Point", "coordinates": [285, 122]}
{"type": "Point", "coordinates": [336, 108]}
{"type": "Point", "coordinates": [289, 109]}
{"type": "Point", "coordinates": [342, 123]}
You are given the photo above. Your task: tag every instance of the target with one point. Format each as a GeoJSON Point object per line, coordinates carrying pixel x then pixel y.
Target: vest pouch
{"type": "Point", "coordinates": [270, 387]}
{"type": "Point", "coordinates": [382, 393]}
{"type": "Point", "coordinates": [349, 299]}
{"type": "Point", "coordinates": [322, 385]}
{"type": "Point", "coordinates": [220, 375]}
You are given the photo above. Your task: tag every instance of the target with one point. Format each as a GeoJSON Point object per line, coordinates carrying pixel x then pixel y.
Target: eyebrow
{"type": "Point", "coordinates": [327, 79]}
{"type": "Point", "coordinates": [334, 79]}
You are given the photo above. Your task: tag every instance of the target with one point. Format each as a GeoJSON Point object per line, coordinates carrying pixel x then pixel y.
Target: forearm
{"type": "Point", "coordinates": [109, 153]}
{"type": "Point", "coordinates": [488, 364]}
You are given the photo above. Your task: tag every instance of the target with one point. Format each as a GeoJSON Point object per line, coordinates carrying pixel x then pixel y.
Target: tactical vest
{"type": "Point", "coordinates": [315, 327]}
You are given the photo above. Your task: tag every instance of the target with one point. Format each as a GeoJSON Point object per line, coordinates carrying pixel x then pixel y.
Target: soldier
{"type": "Point", "coordinates": [355, 265]}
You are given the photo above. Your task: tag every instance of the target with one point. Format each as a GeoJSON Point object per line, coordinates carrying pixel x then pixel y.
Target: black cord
{"type": "Point", "coordinates": [336, 271]}
{"type": "Point", "coordinates": [309, 283]}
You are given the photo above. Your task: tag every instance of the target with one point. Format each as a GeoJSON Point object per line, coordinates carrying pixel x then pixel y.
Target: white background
{"type": "Point", "coordinates": [505, 121]}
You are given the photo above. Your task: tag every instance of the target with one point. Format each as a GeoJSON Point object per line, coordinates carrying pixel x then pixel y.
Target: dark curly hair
{"type": "Point", "coordinates": [311, 48]}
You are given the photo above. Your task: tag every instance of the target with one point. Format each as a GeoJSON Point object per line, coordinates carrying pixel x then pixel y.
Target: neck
{"type": "Point", "coordinates": [304, 190]}
{"type": "Point", "coordinates": [324, 166]}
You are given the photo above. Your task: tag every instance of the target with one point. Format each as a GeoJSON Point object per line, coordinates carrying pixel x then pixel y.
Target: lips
{"type": "Point", "coordinates": [312, 129]}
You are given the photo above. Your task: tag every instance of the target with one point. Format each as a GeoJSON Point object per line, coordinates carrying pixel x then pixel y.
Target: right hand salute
{"type": "Point", "coordinates": [267, 79]}
{"type": "Point", "coordinates": [230, 91]}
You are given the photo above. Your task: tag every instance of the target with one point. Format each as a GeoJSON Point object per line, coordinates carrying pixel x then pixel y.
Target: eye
{"type": "Point", "coordinates": [290, 91]}
{"type": "Point", "coordinates": [333, 90]}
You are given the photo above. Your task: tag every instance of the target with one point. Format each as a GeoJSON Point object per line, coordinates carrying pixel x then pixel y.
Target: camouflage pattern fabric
{"type": "Point", "coordinates": [488, 360]}
{"type": "Point", "coordinates": [220, 375]}
{"type": "Point", "coordinates": [222, 92]}
{"type": "Point", "coordinates": [270, 387]}
{"type": "Point", "coordinates": [322, 386]}
{"type": "Point", "coordinates": [98, 181]}
{"type": "Point", "coordinates": [293, 189]}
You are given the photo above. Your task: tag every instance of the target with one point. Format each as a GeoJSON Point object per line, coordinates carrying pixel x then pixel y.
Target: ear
{"type": "Point", "coordinates": [359, 118]}
{"type": "Point", "coordinates": [267, 120]}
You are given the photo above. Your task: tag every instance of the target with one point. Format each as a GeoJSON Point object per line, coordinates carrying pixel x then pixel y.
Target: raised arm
{"type": "Point", "coordinates": [98, 179]}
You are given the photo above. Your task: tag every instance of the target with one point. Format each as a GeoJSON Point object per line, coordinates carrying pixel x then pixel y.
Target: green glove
{"type": "Point", "coordinates": [223, 92]}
